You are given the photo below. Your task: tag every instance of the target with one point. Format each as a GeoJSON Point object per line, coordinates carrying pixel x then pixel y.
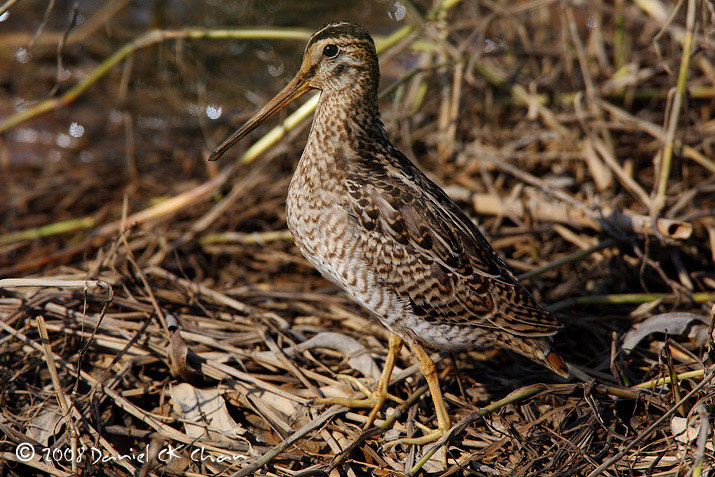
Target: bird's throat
{"type": "Point", "coordinates": [345, 117]}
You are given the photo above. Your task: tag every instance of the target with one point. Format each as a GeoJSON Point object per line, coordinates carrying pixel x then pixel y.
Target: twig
{"type": "Point", "coordinates": [52, 282]}
{"type": "Point", "coordinates": [606, 153]}
{"type": "Point", "coordinates": [78, 34]}
{"type": "Point", "coordinates": [703, 433]}
{"type": "Point", "coordinates": [65, 404]}
{"type": "Point", "coordinates": [650, 428]}
{"type": "Point", "coordinates": [48, 230]}
{"type": "Point", "coordinates": [382, 427]}
{"type": "Point", "coordinates": [522, 96]}
{"type": "Point", "coordinates": [256, 149]}
{"type": "Point", "coordinates": [6, 6]}
{"type": "Point", "coordinates": [246, 238]}
{"type": "Point", "coordinates": [118, 399]}
{"type": "Point", "coordinates": [273, 453]}
{"type": "Point", "coordinates": [653, 383]}
{"type": "Point", "coordinates": [35, 464]}
{"type": "Point", "coordinates": [568, 259]}
{"type": "Point", "coordinates": [666, 156]}
{"type": "Point", "coordinates": [515, 396]}
{"type": "Point", "coordinates": [628, 299]}
{"type": "Point", "coordinates": [658, 133]}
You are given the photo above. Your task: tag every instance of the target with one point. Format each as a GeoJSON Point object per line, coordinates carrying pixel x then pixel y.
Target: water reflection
{"type": "Point", "coordinates": [86, 156]}
{"type": "Point", "coordinates": [168, 87]}
{"type": "Point", "coordinates": [151, 122]}
{"type": "Point", "coordinates": [213, 112]}
{"type": "Point", "coordinates": [398, 12]}
{"type": "Point", "coordinates": [76, 130]}
{"type": "Point", "coordinates": [63, 140]}
{"type": "Point", "coordinates": [22, 55]}
{"type": "Point", "coordinates": [275, 69]}
{"type": "Point", "coordinates": [116, 116]}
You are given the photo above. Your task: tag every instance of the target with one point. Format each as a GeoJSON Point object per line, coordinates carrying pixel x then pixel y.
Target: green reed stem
{"type": "Point", "coordinates": [667, 155]}
{"type": "Point", "coordinates": [147, 39]}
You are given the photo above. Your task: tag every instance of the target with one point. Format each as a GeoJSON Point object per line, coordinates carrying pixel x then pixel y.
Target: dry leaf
{"type": "Point", "coordinates": [45, 425]}
{"type": "Point", "coordinates": [205, 406]}
{"type": "Point", "coordinates": [675, 323]}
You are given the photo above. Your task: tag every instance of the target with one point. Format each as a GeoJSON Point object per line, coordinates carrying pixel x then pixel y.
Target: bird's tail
{"type": "Point", "coordinates": [539, 350]}
{"type": "Point", "coordinates": [556, 364]}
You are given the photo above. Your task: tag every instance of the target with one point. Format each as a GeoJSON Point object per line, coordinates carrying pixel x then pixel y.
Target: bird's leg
{"type": "Point", "coordinates": [375, 399]}
{"type": "Point", "coordinates": [393, 348]}
{"type": "Point", "coordinates": [443, 423]}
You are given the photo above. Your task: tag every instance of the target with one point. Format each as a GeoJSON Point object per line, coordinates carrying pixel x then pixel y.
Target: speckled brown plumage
{"type": "Point", "coordinates": [373, 223]}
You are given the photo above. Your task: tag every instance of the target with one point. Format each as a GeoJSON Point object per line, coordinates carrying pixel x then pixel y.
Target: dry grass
{"type": "Point", "coordinates": [166, 308]}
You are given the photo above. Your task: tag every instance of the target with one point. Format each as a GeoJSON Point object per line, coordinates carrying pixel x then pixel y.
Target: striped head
{"type": "Point", "coordinates": [339, 57]}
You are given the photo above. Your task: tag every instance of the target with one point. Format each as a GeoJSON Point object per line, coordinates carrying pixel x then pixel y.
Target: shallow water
{"type": "Point", "coordinates": [177, 100]}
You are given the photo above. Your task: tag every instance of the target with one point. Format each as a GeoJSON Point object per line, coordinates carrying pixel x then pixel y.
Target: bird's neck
{"type": "Point", "coordinates": [344, 119]}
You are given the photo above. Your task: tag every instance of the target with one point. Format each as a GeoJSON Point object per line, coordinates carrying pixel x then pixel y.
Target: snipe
{"type": "Point", "coordinates": [370, 221]}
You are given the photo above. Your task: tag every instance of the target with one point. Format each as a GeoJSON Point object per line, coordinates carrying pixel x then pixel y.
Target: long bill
{"type": "Point", "coordinates": [292, 91]}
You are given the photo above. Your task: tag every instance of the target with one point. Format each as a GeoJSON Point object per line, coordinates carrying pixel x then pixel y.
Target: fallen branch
{"type": "Point", "coordinates": [539, 208]}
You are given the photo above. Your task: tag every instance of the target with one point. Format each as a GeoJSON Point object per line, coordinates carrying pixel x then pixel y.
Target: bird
{"type": "Point", "coordinates": [371, 221]}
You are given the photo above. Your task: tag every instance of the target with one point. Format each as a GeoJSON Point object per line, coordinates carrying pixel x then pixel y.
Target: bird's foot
{"type": "Point", "coordinates": [443, 423]}
{"type": "Point", "coordinates": [374, 399]}
{"type": "Point", "coordinates": [430, 435]}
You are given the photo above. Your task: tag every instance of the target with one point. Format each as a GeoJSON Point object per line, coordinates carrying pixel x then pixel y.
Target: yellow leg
{"type": "Point", "coordinates": [375, 399]}
{"type": "Point", "coordinates": [428, 370]}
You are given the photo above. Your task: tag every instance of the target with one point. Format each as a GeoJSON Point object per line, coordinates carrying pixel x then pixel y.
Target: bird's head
{"type": "Point", "coordinates": [339, 57]}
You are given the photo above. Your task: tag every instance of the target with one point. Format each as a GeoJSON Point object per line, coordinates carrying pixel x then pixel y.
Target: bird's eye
{"type": "Point", "coordinates": [330, 51]}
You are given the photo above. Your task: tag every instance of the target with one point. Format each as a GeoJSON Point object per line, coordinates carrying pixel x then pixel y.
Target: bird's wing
{"type": "Point", "coordinates": [439, 261]}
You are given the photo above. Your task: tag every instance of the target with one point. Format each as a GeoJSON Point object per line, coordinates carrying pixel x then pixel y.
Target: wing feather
{"type": "Point", "coordinates": [439, 260]}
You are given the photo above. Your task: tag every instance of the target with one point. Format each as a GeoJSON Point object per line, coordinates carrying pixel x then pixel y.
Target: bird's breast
{"type": "Point", "coordinates": [323, 230]}
{"type": "Point", "coordinates": [332, 240]}
{"type": "Point", "coordinates": [335, 243]}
